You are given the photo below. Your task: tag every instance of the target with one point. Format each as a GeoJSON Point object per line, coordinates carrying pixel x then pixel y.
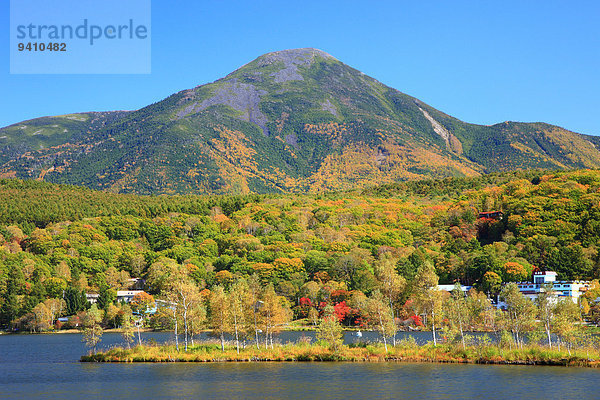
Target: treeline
{"type": "Point", "coordinates": [324, 248]}
{"type": "Point", "coordinates": [251, 313]}
{"type": "Point", "coordinates": [452, 186]}
{"type": "Point", "coordinates": [30, 204]}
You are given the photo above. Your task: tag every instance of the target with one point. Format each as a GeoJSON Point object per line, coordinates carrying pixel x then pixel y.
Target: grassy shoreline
{"type": "Point", "coordinates": [528, 355]}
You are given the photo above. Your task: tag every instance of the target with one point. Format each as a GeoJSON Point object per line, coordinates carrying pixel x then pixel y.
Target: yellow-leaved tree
{"type": "Point", "coordinates": [218, 313]}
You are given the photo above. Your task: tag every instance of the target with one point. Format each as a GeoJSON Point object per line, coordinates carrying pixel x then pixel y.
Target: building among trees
{"type": "Point", "coordinates": [543, 281]}
{"type": "Point", "coordinates": [123, 296]}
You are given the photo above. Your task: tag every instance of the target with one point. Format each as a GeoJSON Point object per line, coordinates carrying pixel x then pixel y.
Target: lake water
{"type": "Point", "coordinates": [47, 367]}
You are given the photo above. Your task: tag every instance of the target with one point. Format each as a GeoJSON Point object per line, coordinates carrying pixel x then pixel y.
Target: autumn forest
{"type": "Point", "coordinates": [240, 265]}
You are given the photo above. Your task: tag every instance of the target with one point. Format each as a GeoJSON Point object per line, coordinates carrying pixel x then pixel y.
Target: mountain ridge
{"type": "Point", "coordinates": [288, 121]}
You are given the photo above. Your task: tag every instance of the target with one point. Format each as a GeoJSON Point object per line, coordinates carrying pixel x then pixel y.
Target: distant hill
{"type": "Point", "coordinates": [289, 121]}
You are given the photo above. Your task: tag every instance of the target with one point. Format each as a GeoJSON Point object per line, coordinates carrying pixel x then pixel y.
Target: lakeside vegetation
{"type": "Point", "coordinates": [404, 351]}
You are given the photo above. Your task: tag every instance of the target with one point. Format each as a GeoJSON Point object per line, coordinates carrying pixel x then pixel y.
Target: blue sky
{"type": "Point", "coordinates": [480, 61]}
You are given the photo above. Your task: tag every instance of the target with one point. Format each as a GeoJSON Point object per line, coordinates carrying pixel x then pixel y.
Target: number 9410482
{"type": "Point", "coordinates": [42, 46]}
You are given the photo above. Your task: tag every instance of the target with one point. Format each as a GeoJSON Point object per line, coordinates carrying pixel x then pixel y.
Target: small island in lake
{"type": "Point", "coordinates": [404, 351]}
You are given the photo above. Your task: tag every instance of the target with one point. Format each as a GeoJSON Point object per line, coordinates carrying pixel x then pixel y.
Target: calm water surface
{"type": "Point", "coordinates": [46, 367]}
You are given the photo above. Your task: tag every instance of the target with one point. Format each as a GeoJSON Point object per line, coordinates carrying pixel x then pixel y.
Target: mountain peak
{"type": "Point", "coordinates": [294, 56]}
{"type": "Point", "coordinates": [283, 65]}
{"type": "Point", "coordinates": [290, 120]}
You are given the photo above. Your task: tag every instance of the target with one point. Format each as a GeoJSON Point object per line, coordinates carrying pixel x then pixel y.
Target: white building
{"type": "Point", "coordinates": [124, 296]}
{"type": "Point", "coordinates": [450, 288]}
{"type": "Point", "coordinates": [560, 289]}
{"type": "Point", "coordinates": [92, 297]}
{"type": "Point", "coordinates": [127, 295]}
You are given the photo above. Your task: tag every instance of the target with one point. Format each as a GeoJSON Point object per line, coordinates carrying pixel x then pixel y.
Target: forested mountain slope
{"type": "Point", "coordinates": [289, 121]}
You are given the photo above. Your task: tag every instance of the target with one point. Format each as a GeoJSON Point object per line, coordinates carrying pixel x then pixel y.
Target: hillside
{"type": "Point", "coordinates": [289, 121]}
{"type": "Point", "coordinates": [57, 237]}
